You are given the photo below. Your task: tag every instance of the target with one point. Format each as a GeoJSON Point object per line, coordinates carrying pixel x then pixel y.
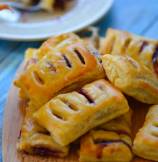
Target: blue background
{"type": "Point", "coordinates": [138, 16]}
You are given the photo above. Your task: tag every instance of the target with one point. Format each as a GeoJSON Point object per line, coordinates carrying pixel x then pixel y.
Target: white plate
{"type": "Point", "coordinates": [41, 25]}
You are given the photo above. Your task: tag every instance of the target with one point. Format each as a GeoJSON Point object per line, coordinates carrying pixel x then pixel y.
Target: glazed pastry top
{"type": "Point", "coordinates": [141, 49]}
{"type": "Point", "coordinates": [70, 62]}
{"type": "Point", "coordinates": [94, 104]}
{"type": "Point", "coordinates": [146, 140]}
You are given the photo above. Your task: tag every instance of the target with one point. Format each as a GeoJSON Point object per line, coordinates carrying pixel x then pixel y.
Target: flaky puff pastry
{"type": "Point", "coordinates": [110, 142]}
{"type": "Point", "coordinates": [70, 115]}
{"type": "Point", "coordinates": [146, 140]}
{"type": "Point", "coordinates": [131, 77]}
{"type": "Point", "coordinates": [34, 139]}
{"type": "Point", "coordinates": [33, 55]}
{"type": "Point", "coordinates": [141, 49]}
{"type": "Point", "coordinates": [65, 67]}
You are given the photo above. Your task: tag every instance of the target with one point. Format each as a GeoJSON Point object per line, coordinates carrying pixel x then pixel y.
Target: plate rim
{"type": "Point", "coordinates": [14, 37]}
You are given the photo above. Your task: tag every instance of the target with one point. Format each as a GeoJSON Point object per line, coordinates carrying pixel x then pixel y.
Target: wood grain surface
{"type": "Point", "coordinates": [12, 125]}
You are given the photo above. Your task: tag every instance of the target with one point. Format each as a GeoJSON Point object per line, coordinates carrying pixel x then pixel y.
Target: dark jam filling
{"type": "Point", "coordinates": [144, 44]}
{"type": "Point", "coordinates": [45, 152]}
{"type": "Point", "coordinates": [86, 95]}
{"type": "Point", "coordinates": [60, 4]}
{"type": "Point", "coordinates": [101, 144]}
{"type": "Point", "coordinates": [35, 2]}
{"type": "Point", "coordinates": [155, 60]}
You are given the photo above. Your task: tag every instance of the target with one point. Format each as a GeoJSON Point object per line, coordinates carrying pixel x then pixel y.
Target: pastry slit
{"type": "Point", "coordinates": [155, 60]}
{"type": "Point", "coordinates": [144, 44]}
{"type": "Point", "coordinates": [154, 133]}
{"type": "Point", "coordinates": [120, 132]}
{"type": "Point", "coordinates": [105, 143]}
{"type": "Point", "coordinates": [112, 44]}
{"type": "Point", "coordinates": [127, 43]}
{"type": "Point", "coordinates": [69, 105]}
{"type": "Point", "coordinates": [51, 66]}
{"type": "Point", "coordinates": [57, 115]}
{"type": "Point", "coordinates": [68, 63]}
{"type": "Point", "coordinates": [79, 56]}
{"type": "Point", "coordinates": [86, 95]}
{"type": "Point", "coordinates": [155, 124]}
{"type": "Point", "coordinates": [38, 78]}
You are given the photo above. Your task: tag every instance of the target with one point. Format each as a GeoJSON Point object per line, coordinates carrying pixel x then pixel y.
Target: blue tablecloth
{"type": "Point", "coordinates": [138, 16]}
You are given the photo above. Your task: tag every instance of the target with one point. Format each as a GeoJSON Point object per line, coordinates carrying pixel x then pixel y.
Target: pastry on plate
{"type": "Point", "coordinates": [146, 140]}
{"type": "Point", "coordinates": [141, 49]}
{"type": "Point", "coordinates": [34, 139]}
{"type": "Point", "coordinates": [48, 5]}
{"type": "Point", "coordinates": [110, 142]}
{"type": "Point", "coordinates": [131, 77]}
{"type": "Point", "coordinates": [70, 115]}
{"type": "Point", "coordinates": [63, 66]}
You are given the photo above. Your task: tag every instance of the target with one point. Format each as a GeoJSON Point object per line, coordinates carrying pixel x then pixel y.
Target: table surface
{"type": "Point", "coordinates": [138, 16]}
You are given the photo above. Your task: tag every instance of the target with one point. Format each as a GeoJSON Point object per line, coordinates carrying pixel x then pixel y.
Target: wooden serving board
{"type": "Point", "coordinates": [12, 124]}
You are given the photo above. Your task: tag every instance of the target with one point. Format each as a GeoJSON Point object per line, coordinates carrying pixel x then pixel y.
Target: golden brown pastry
{"type": "Point", "coordinates": [79, 111]}
{"type": "Point", "coordinates": [62, 66]}
{"type": "Point", "coordinates": [146, 140]}
{"type": "Point", "coordinates": [143, 50]}
{"type": "Point", "coordinates": [131, 77]}
{"type": "Point", "coordinates": [33, 55]}
{"type": "Point", "coordinates": [110, 142]}
{"type": "Point", "coordinates": [34, 139]}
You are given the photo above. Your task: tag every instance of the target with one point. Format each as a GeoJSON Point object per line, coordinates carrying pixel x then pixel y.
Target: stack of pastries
{"type": "Point", "coordinates": [77, 93]}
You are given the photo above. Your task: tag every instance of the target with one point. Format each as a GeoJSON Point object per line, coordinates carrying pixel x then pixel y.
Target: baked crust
{"type": "Point", "coordinates": [131, 77]}
{"type": "Point", "coordinates": [146, 140]}
{"type": "Point", "coordinates": [64, 63]}
{"type": "Point", "coordinates": [79, 111]}
{"type": "Point", "coordinates": [34, 139]}
{"type": "Point", "coordinates": [110, 142]}
{"type": "Point", "coordinates": [143, 50]}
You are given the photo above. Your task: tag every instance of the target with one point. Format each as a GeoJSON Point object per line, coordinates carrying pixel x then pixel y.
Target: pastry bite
{"type": "Point", "coordinates": [65, 63]}
{"type": "Point", "coordinates": [142, 49]}
{"type": "Point", "coordinates": [131, 77]}
{"type": "Point", "coordinates": [146, 140]}
{"type": "Point", "coordinates": [79, 111]}
{"type": "Point", "coordinates": [34, 139]}
{"type": "Point", "coordinates": [110, 142]}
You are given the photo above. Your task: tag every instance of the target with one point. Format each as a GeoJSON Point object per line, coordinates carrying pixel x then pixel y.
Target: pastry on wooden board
{"type": "Point", "coordinates": [62, 82]}
{"type": "Point", "coordinates": [63, 68]}
{"type": "Point", "coordinates": [143, 50]}
{"type": "Point", "coordinates": [146, 140]}
{"type": "Point", "coordinates": [34, 139]}
{"type": "Point", "coordinates": [131, 77]}
{"type": "Point", "coordinates": [110, 142]}
{"type": "Point", "coordinates": [79, 111]}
